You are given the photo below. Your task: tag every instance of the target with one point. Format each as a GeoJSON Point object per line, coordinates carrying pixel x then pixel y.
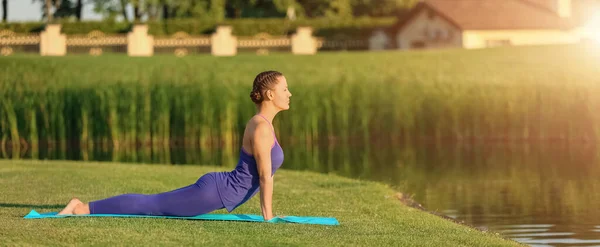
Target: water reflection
{"type": "Point", "coordinates": [534, 194]}
{"type": "Point", "coordinates": [538, 194]}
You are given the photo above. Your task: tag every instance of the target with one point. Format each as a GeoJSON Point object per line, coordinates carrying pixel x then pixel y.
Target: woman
{"type": "Point", "coordinates": [260, 156]}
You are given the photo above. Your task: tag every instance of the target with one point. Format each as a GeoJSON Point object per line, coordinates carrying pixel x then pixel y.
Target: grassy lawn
{"type": "Point", "coordinates": [369, 213]}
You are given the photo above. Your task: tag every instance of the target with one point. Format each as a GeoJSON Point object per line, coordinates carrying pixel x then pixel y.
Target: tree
{"type": "Point", "coordinates": [211, 9]}
{"type": "Point", "coordinates": [48, 10]}
{"type": "Point", "coordinates": [4, 10]}
{"type": "Point", "coordinates": [78, 9]}
{"type": "Point", "coordinates": [187, 9]}
{"type": "Point", "coordinates": [62, 9]}
{"type": "Point", "coordinates": [217, 9]}
{"type": "Point", "coordinates": [123, 5]}
{"type": "Point", "coordinates": [234, 8]}
{"type": "Point", "coordinates": [348, 8]}
{"type": "Point", "coordinates": [154, 9]}
{"type": "Point", "coordinates": [110, 9]}
{"type": "Point", "coordinates": [377, 8]}
{"type": "Point", "coordinates": [339, 8]}
{"type": "Point", "coordinates": [265, 9]}
{"type": "Point", "coordinates": [313, 8]}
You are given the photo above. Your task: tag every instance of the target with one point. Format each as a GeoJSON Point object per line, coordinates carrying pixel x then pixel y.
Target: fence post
{"type": "Point", "coordinates": [222, 43]}
{"type": "Point", "coordinates": [52, 43]}
{"type": "Point", "coordinates": [303, 42]}
{"type": "Point", "coordinates": [139, 43]}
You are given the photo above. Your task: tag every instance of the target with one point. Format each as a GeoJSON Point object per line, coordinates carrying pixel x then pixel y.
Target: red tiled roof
{"type": "Point", "coordinates": [493, 14]}
{"type": "Point", "coordinates": [544, 4]}
{"type": "Point", "coordinates": [581, 10]}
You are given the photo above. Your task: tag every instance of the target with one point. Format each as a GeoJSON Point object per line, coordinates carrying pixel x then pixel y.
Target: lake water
{"type": "Point", "coordinates": [541, 194]}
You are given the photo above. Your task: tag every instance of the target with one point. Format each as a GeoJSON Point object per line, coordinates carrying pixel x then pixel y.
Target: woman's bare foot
{"type": "Point", "coordinates": [82, 208]}
{"type": "Point", "coordinates": [70, 207]}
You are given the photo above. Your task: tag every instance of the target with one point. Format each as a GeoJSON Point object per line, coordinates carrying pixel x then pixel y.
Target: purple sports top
{"type": "Point", "coordinates": [241, 184]}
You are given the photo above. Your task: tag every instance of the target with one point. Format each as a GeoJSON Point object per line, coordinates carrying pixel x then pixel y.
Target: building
{"type": "Point", "coordinates": [489, 23]}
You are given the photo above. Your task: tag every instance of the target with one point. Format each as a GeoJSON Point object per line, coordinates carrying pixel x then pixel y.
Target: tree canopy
{"type": "Point", "coordinates": [140, 10]}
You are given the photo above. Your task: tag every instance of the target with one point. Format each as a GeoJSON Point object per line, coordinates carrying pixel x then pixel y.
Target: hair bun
{"type": "Point", "coordinates": [256, 97]}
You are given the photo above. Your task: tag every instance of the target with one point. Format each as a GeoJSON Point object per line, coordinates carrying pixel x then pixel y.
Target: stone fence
{"type": "Point", "coordinates": [51, 42]}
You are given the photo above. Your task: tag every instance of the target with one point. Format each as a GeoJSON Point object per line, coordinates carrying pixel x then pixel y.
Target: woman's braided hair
{"type": "Point", "coordinates": [262, 82]}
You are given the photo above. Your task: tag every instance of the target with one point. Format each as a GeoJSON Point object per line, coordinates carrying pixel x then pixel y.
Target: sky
{"type": "Point", "coordinates": [25, 10]}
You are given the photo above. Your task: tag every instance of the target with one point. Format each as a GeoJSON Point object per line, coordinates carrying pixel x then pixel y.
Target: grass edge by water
{"type": "Point", "coordinates": [403, 200]}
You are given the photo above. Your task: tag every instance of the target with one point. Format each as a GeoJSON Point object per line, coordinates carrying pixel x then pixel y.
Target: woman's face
{"type": "Point", "coordinates": [280, 94]}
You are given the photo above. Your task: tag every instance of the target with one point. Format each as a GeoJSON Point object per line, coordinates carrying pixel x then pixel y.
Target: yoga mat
{"type": "Point", "coordinates": [233, 217]}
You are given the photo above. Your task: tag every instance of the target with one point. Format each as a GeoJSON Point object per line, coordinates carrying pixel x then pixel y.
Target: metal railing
{"type": "Point", "coordinates": [11, 42]}
{"type": "Point", "coordinates": [95, 43]}
{"type": "Point", "coordinates": [182, 44]}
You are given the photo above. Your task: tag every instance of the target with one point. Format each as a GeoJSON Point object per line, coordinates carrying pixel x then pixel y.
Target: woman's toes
{"type": "Point", "coordinates": [70, 206]}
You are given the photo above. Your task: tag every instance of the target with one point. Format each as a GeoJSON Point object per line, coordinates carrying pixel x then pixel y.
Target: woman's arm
{"type": "Point", "coordinates": [261, 144]}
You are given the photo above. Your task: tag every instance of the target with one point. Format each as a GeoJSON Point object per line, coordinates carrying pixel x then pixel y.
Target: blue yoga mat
{"type": "Point", "coordinates": [234, 217]}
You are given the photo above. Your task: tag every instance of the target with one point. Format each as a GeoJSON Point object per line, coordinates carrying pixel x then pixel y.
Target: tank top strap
{"type": "Point", "coordinates": [272, 128]}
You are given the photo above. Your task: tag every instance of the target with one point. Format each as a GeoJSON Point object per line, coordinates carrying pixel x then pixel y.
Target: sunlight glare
{"type": "Point", "coordinates": [593, 27]}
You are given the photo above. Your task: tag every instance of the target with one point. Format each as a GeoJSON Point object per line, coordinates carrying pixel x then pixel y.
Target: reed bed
{"type": "Point", "coordinates": [139, 105]}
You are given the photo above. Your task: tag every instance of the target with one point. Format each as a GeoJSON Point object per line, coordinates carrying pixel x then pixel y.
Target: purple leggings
{"type": "Point", "coordinates": [199, 198]}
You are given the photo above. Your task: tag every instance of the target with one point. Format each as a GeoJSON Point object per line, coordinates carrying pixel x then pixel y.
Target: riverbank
{"type": "Point", "coordinates": [369, 212]}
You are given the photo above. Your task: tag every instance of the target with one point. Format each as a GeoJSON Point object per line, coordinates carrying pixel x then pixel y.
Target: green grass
{"type": "Point", "coordinates": [369, 213]}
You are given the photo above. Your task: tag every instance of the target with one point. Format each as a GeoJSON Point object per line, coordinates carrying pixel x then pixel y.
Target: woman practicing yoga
{"type": "Point", "coordinates": [260, 156]}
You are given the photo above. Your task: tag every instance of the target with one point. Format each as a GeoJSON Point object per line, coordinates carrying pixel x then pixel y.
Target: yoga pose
{"type": "Point", "coordinates": [260, 156]}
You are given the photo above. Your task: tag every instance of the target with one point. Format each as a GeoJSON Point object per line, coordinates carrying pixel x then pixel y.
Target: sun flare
{"type": "Point", "coordinates": [593, 27]}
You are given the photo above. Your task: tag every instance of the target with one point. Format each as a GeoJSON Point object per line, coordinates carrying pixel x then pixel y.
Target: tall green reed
{"type": "Point", "coordinates": [141, 107]}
